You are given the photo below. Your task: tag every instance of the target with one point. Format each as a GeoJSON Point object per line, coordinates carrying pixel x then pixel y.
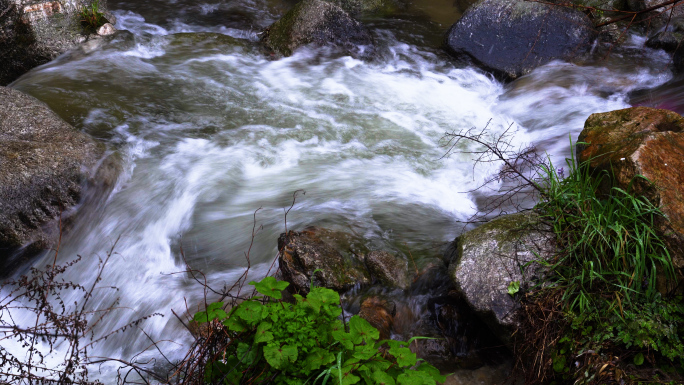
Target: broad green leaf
{"type": "Point", "coordinates": [320, 296]}
{"type": "Point", "coordinates": [344, 338]}
{"type": "Point", "coordinates": [432, 371]}
{"type": "Point", "coordinates": [347, 377]}
{"type": "Point", "coordinates": [559, 364]}
{"type": "Point", "coordinates": [404, 356]}
{"type": "Point", "coordinates": [201, 317]}
{"type": "Point", "coordinates": [361, 329]}
{"type": "Point", "coordinates": [513, 287]}
{"type": "Point", "coordinates": [364, 352]}
{"type": "Point", "coordinates": [271, 287]}
{"type": "Point", "coordinates": [250, 311]}
{"type": "Point", "coordinates": [317, 358]}
{"type": "Point", "coordinates": [412, 377]}
{"type": "Point", "coordinates": [235, 324]}
{"type": "Point", "coordinates": [382, 378]}
{"type": "Point", "coordinates": [280, 356]}
{"type": "Point", "coordinates": [639, 359]}
{"type": "Point", "coordinates": [262, 333]}
{"type": "Point", "coordinates": [378, 365]}
{"type": "Point", "coordinates": [246, 354]}
{"type": "Point", "coordinates": [214, 311]}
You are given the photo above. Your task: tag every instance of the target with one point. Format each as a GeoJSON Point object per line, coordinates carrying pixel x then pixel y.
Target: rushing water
{"type": "Point", "coordinates": [210, 129]}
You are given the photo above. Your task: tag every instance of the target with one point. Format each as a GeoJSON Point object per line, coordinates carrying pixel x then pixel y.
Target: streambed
{"type": "Point", "coordinates": [210, 129]}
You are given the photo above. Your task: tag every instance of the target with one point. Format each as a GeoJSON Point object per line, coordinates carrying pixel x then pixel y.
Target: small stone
{"type": "Point", "coordinates": [106, 30]}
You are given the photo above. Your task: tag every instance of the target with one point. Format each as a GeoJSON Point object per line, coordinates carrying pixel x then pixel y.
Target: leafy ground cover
{"type": "Point", "coordinates": [304, 341]}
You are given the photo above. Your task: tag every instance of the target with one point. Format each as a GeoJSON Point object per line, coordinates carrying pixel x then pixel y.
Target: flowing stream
{"type": "Point", "coordinates": [210, 129]}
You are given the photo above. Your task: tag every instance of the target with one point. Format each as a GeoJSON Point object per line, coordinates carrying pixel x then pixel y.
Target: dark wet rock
{"type": "Point", "coordinates": [658, 18]}
{"type": "Point", "coordinates": [380, 313]}
{"type": "Point", "coordinates": [45, 167]}
{"type": "Point", "coordinates": [301, 253]}
{"type": "Point", "coordinates": [390, 269]}
{"type": "Point", "coordinates": [666, 40]}
{"type": "Point", "coordinates": [642, 141]}
{"type": "Point", "coordinates": [360, 7]}
{"type": "Point", "coordinates": [35, 32]}
{"type": "Point", "coordinates": [484, 261]}
{"type": "Point", "coordinates": [512, 37]}
{"type": "Point", "coordinates": [316, 22]}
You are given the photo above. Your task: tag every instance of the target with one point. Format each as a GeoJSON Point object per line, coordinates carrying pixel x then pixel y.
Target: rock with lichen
{"type": "Point", "coordinates": [318, 23]}
{"type": "Point", "coordinates": [641, 141]}
{"type": "Point", "coordinates": [486, 260]}
{"type": "Point", "coordinates": [46, 165]}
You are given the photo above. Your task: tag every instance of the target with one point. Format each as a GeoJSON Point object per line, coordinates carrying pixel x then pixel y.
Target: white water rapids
{"type": "Point", "coordinates": [210, 129]}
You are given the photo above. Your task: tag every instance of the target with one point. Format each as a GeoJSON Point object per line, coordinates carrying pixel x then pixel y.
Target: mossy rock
{"type": "Point", "coordinates": [486, 260]}
{"type": "Point", "coordinates": [316, 22]}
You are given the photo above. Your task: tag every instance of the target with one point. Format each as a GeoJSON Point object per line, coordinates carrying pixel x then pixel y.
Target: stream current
{"type": "Point", "coordinates": [210, 129]}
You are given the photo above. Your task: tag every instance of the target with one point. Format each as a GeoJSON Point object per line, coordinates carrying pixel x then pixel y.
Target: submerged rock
{"type": "Point", "coordinates": [642, 141]}
{"type": "Point", "coordinates": [316, 22]}
{"type": "Point", "coordinates": [33, 33]}
{"type": "Point", "coordinates": [390, 269]}
{"type": "Point", "coordinates": [512, 37]}
{"type": "Point", "coordinates": [301, 253]}
{"type": "Point", "coordinates": [45, 164]}
{"type": "Point", "coordinates": [486, 260]}
{"type": "Point", "coordinates": [380, 313]}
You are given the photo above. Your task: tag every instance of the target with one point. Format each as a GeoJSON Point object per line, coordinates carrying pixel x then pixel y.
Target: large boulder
{"type": "Point", "coordinates": [34, 32]}
{"type": "Point", "coordinates": [313, 253]}
{"type": "Point", "coordinates": [486, 260]}
{"type": "Point", "coordinates": [316, 22]}
{"type": "Point", "coordinates": [512, 37]}
{"type": "Point", "coordinates": [642, 141]}
{"type": "Point", "coordinates": [44, 166]}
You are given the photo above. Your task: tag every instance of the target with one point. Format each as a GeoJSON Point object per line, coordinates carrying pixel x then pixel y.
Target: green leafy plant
{"type": "Point", "coordinates": [91, 17]}
{"type": "Point", "coordinates": [305, 342]}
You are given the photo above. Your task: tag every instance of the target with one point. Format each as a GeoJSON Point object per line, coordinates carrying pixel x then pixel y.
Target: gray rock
{"type": "Point", "coordinates": [512, 37]}
{"type": "Point", "coordinates": [486, 260]}
{"type": "Point", "coordinates": [391, 270]}
{"type": "Point", "coordinates": [316, 22]}
{"type": "Point", "coordinates": [302, 253]}
{"type": "Point", "coordinates": [45, 165]}
{"type": "Point", "coordinates": [33, 33]}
